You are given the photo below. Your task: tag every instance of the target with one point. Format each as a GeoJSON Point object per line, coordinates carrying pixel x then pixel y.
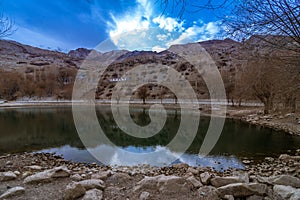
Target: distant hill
{"type": "Point", "coordinates": [43, 73]}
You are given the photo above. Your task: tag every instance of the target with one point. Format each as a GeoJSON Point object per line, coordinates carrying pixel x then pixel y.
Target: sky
{"type": "Point", "coordinates": [123, 24]}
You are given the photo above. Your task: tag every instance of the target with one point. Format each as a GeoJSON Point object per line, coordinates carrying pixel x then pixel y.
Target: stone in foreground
{"type": "Point", "coordinates": [12, 192]}
{"type": "Point", "coordinates": [74, 191]}
{"type": "Point", "coordinates": [93, 194]}
{"type": "Point", "coordinates": [242, 189]}
{"type": "Point", "coordinates": [48, 175]}
{"type": "Point", "coordinates": [221, 181]}
{"type": "Point", "coordinates": [7, 176]}
{"type": "Point", "coordinates": [281, 180]}
{"type": "Point", "coordinates": [92, 184]}
{"type": "Point", "coordinates": [205, 178]}
{"type": "Point", "coordinates": [284, 192]}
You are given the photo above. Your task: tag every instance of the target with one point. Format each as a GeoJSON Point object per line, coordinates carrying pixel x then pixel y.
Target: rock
{"type": "Point", "coordinates": [7, 176]}
{"type": "Point", "coordinates": [228, 197]}
{"type": "Point", "coordinates": [285, 192]}
{"type": "Point", "coordinates": [194, 182]}
{"type": "Point", "coordinates": [296, 195]}
{"type": "Point", "coordinates": [255, 197]}
{"type": "Point", "coordinates": [208, 192]}
{"type": "Point", "coordinates": [119, 178]}
{"type": "Point", "coordinates": [181, 166]}
{"type": "Point", "coordinates": [164, 184]}
{"type": "Point", "coordinates": [205, 178]}
{"type": "Point", "coordinates": [92, 184]}
{"type": "Point", "coordinates": [242, 189]}
{"type": "Point", "coordinates": [48, 175]}
{"type": "Point", "coordinates": [144, 195]}
{"type": "Point", "coordinates": [93, 194]}
{"type": "Point", "coordinates": [102, 175]}
{"type": "Point", "coordinates": [73, 191]}
{"type": "Point", "coordinates": [26, 174]}
{"type": "Point", "coordinates": [246, 162]}
{"type": "Point", "coordinates": [259, 189]}
{"type": "Point", "coordinates": [60, 172]}
{"type": "Point", "coordinates": [76, 177]}
{"type": "Point", "coordinates": [17, 173]}
{"type": "Point", "coordinates": [34, 167]}
{"type": "Point", "coordinates": [286, 157]}
{"type": "Point", "coordinates": [244, 176]}
{"type": "Point", "coordinates": [192, 170]}
{"type": "Point", "coordinates": [269, 159]}
{"type": "Point", "coordinates": [221, 181]}
{"type": "Point", "coordinates": [8, 163]}
{"type": "Point", "coordinates": [15, 191]}
{"type": "Point", "coordinates": [281, 180]}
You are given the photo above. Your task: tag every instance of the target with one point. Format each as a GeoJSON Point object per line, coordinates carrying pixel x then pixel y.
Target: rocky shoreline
{"type": "Point", "coordinates": [46, 176]}
{"type": "Point", "coordinates": [288, 123]}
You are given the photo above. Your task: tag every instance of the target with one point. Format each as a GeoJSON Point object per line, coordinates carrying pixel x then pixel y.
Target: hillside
{"type": "Point", "coordinates": [37, 73]}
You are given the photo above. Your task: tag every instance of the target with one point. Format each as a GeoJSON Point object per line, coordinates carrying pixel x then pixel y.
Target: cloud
{"type": "Point", "coordinates": [158, 48]}
{"type": "Point", "coordinates": [163, 37]}
{"type": "Point", "coordinates": [169, 24]}
{"type": "Point", "coordinates": [197, 33]}
{"type": "Point", "coordinates": [212, 28]}
{"type": "Point", "coordinates": [142, 29]}
{"type": "Point", "coordinates": [137, 19]}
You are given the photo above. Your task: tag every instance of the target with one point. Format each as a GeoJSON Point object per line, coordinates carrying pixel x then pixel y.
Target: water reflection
{"type": "Point", "coordinates": [52, 130]}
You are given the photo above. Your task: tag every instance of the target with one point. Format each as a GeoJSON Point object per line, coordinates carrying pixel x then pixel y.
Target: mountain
{"type": "Point", "coordinates": [43, 73]}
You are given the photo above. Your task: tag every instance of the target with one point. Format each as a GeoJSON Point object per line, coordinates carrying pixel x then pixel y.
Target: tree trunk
{"type": "Point", "coordinates": [268, 106]}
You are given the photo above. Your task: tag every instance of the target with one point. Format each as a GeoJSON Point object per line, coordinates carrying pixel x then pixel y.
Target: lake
{"type": "Point", "coordinates": [52, 130]}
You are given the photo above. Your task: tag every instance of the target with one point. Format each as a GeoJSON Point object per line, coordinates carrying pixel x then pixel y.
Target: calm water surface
{"type": "Point", "coordinates": [52, 129]}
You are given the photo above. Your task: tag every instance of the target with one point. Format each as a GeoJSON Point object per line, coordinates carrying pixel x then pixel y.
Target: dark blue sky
{"type": "Point", "coordinates": [129, 24]}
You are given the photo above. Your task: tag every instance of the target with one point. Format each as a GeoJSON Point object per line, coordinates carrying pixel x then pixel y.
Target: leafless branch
{"type": "Point", "coordinates": [6, 26]}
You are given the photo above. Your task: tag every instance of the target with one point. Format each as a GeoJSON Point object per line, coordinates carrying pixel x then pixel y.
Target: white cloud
{"type": "Point", "coordinates": [212, 28]}
{"type": "Point", "coordinates": [169, 24]}
{"type": "Point", "coordinates": [197, 33]}
{"type": "Point", "coordinates": [162, 37]}
{"type": "Point", "coordinates": [189, 35]}
{"type": "Point", "coordinates": [131, 21]}
{"type": "Point", "coordinates": [142, 29]}
{"type": "Point", "coordinates": [158, 48]}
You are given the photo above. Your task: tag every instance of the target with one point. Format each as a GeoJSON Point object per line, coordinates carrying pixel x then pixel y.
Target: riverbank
{"type": "Point", "coordinates": [45, 176]}
{"type": "Point", "coordinates": [286, 122]}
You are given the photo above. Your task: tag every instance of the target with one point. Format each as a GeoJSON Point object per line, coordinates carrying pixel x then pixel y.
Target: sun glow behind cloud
{"type": "Point", "coordinates": [142, 28]}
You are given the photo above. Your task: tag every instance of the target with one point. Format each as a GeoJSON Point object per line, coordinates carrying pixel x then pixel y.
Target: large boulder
{"type": "Point", "coordinates": [194, 182]}
{"type": "Point", "coordinates": [281, 180]}
{"type": "Point", "coordinates": [7, 176]}
{"type": "Point", "coordinates": [242, 189]}
{"type": "Point", "coordinates": [74, 191]}
{"type": "Point", "coordinates": [92, 184]}
{"type": "Point", "coordinates": [296, 195]}
{"type": "Point", "coordinates": [205, 177]}
{"type": "Point", "coordinates": [164, 184]}
{"type": "Point", "coordinates": [15, 191]}
{"type": "Point", "coordinates": [208, 193]}
{"type": "Point", "coordinates": [283, 191]}
{"type": "Point", "coordinates": [221, 181]}
{"type": "Point", "coordinates": [93, 194]}
{"type": "Point", "coordinates": [48, 175]}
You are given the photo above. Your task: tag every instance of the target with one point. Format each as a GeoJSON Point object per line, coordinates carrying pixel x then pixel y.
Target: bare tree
{"type": "Point", "coordinates": [183, 6]}
{"type": "Point", "coordinates": [143, 93]}
{"type": "Point", "coordinates": [6, 26]}
{"type": "Point", "coordinates": [263, 18]}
